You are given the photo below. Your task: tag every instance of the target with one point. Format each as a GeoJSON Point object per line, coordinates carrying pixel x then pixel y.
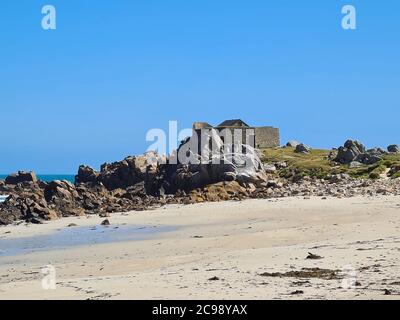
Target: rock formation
{"type": "Point", "coordinates": [301, 148]}
{"type": "Point", "coordinates": [20, 177]}
{"type": "Point", "coordinates": [394, 148]}
{"type": "Point", "coordinates": [214, 174]}
{"type": "Point", "coordinates": [355, 152]}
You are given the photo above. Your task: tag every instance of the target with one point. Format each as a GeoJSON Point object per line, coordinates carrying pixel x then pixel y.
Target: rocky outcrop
{"type": "Point", "coordinates": [149, 181]}
{"type": "Point", "coordinates": [349, 152]}
{"type": "Point", "coordinates": [26, 202]}
{"type": "Point", "coordinates": [63, 197]}
{"type": "Point", "coordinates": [21, 177]}
{"type": "Point", "coordinates": [125, 173]}
{"type": "Point", "coordinates": [355, 152]}
{"type": "Point", "coordinates": [394, 148]}
{"type": "Point", "coordinates": [211, 165]}
{"type": "Point", "coordinates": [86, 174]}
{"type": "Point", "coordinates": [301, 148]}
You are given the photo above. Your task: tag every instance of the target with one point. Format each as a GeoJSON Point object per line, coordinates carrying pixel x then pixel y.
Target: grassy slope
{"type": "Point", "coordinates": [317, 164]}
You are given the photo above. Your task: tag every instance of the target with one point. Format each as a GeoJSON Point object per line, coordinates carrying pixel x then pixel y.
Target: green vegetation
{"type": "Point", "coordinates": [317, 164]}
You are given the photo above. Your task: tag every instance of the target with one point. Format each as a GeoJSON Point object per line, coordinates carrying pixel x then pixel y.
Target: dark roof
{"type": "Point", "coordinates": [233, 123]}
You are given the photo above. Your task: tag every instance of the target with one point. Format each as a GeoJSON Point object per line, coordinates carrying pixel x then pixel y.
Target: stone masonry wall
{"type": "Point", "coordinates": [267, 137]}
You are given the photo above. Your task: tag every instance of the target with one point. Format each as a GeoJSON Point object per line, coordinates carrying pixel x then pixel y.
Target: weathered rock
{"type": "Point", "coordinates": [139, 183]}
{"type": "Point", "coordinates": [354, 151]}
{"type": "Point", "coordinates": [60, 190]}
{"type": "Point", "coordinates": [221, 191]}
{"type": "Point", "coordinates": [355, 164]}
{"type": "Point", "coordinates": [292, 143]}
{"type": "Point", "coordinates": [349, 152]}
{"type": "Point", "coordinates": [281, 165]}
{"type": "Point", "coordinates": [132, 170]}
{"type": "Point", "coordinates": [367, 158]}
{"type": "Point", "coordinates": [270, 168]}
{"type": "Point", "coordinates": [221, 165]}
{"type": "Point", "coordinates": [394, 148]}
{"type": "Point", "coordinates": [21, 177]}
{"type": "Point", "coordinates": [340, 177]}
{"type": "Point", "coordinates": [301, 148]}
{"type": "Point", "coordinates": [86, 174]}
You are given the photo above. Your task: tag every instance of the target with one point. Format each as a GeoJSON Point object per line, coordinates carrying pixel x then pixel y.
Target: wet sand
{"type": "Point", "coordinates": [255, 249]}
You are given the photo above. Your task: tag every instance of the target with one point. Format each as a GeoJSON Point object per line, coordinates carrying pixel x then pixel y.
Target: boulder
{"type": "Point", "coordinates": [292, 143]}
{"type": "Point", "coordinates": [349, 152]}
{"type": "Point", "coordinates": [86, 174]}
{"type": "Point", "coordinates": [57, 189]}
{"type": "Point", "coordinates": [354, 151]}
{"type": "Point", "coordinates": [394, 148]}
{"type": "Point", "coordinates": [210, 166]}
{"type": "Point", "coordinates": [339, 177]}
{"type": "Point", "coordinates": [301, 148]}
{"type": "Point", "coordinates": [270, 168]}
{"type": "Point", "coordinates": [21, 177]}
{"type": "Point", "coordinates": [223, 191]}
{"type": "Point", "coordinates": [130, 171]}
{"type": "Point", "coordinates": [64, 198]}
{"type": "Point", "coordinates": [355, 164]}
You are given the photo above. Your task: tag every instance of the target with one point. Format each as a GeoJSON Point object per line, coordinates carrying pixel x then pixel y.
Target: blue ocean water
{"type": "Point", "coordinates": [49, 177]}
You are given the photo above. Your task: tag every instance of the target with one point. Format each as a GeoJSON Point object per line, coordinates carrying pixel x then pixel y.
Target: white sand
{"type": "Point", "coordinates": [234, 241]}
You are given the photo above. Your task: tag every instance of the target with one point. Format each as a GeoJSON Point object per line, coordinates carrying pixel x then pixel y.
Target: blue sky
{"type": "Point", "coordinates": [89, 91]}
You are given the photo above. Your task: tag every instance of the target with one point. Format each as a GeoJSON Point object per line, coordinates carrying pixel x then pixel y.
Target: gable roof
{"type": "Point", "coordinates": [233, 123]}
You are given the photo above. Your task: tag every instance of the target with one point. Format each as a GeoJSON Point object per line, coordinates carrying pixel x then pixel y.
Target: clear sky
{"type": "Point", "coordinates": [89, 91]}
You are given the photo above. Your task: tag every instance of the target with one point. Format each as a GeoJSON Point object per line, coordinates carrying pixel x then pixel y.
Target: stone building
{"type": "Point", "coordinates": [258, 137]}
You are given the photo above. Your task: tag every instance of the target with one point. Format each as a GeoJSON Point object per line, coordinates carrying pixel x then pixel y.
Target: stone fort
{"type": "Point", "coordinates": [259, 137]}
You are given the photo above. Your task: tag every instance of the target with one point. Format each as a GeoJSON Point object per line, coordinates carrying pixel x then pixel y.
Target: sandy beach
{"type": "Point", "coordinates": [254, 249]}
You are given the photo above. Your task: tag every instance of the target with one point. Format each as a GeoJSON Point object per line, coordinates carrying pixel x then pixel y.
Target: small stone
{"type": "Point", "coordinates": [312, 256]}
{"type": "Point", "coordinates": [213, 279]}
{"type": "Point", "coordinates": [297, 292]}
{"type": "Point", "coordinates": [387, 292]}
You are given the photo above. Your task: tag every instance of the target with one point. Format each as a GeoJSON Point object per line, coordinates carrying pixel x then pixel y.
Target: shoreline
{"type": "Point", "coordinates": [233, 241]}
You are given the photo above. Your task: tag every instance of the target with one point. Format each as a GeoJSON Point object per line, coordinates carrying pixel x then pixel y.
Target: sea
{"type": "Point", "coordinates": [49, 177]}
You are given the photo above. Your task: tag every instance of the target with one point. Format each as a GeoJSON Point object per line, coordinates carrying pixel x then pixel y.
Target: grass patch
{"type": "Point", "coordinates": [317, 164]}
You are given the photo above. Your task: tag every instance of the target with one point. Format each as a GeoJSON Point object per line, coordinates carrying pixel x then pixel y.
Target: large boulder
{"type": "Point", "coordinates": [130, 171]}
{"type": "Point", "coordinates": [394, 148]}
{"type": "Point", "coordinates": [86, 174]}
{"type": "Point", "coordinates": [60, 189]}
{"type": "Point", "coordinates": [26, 202]}
{"type": "Point", "coordinates": [64, 197]}
{"type": "Point", "coordinates": [371, 156]}
{"type": "Point", "coordinates": [301, 148]}
{"type": "Point", "coordinates": [21, 177]}
{"type": "Point", "coordinates": [355, 152]}
{"type": "Point", "coordinates": [349, 152]}
{"type": "Point", "coordinates": [216, 162]}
